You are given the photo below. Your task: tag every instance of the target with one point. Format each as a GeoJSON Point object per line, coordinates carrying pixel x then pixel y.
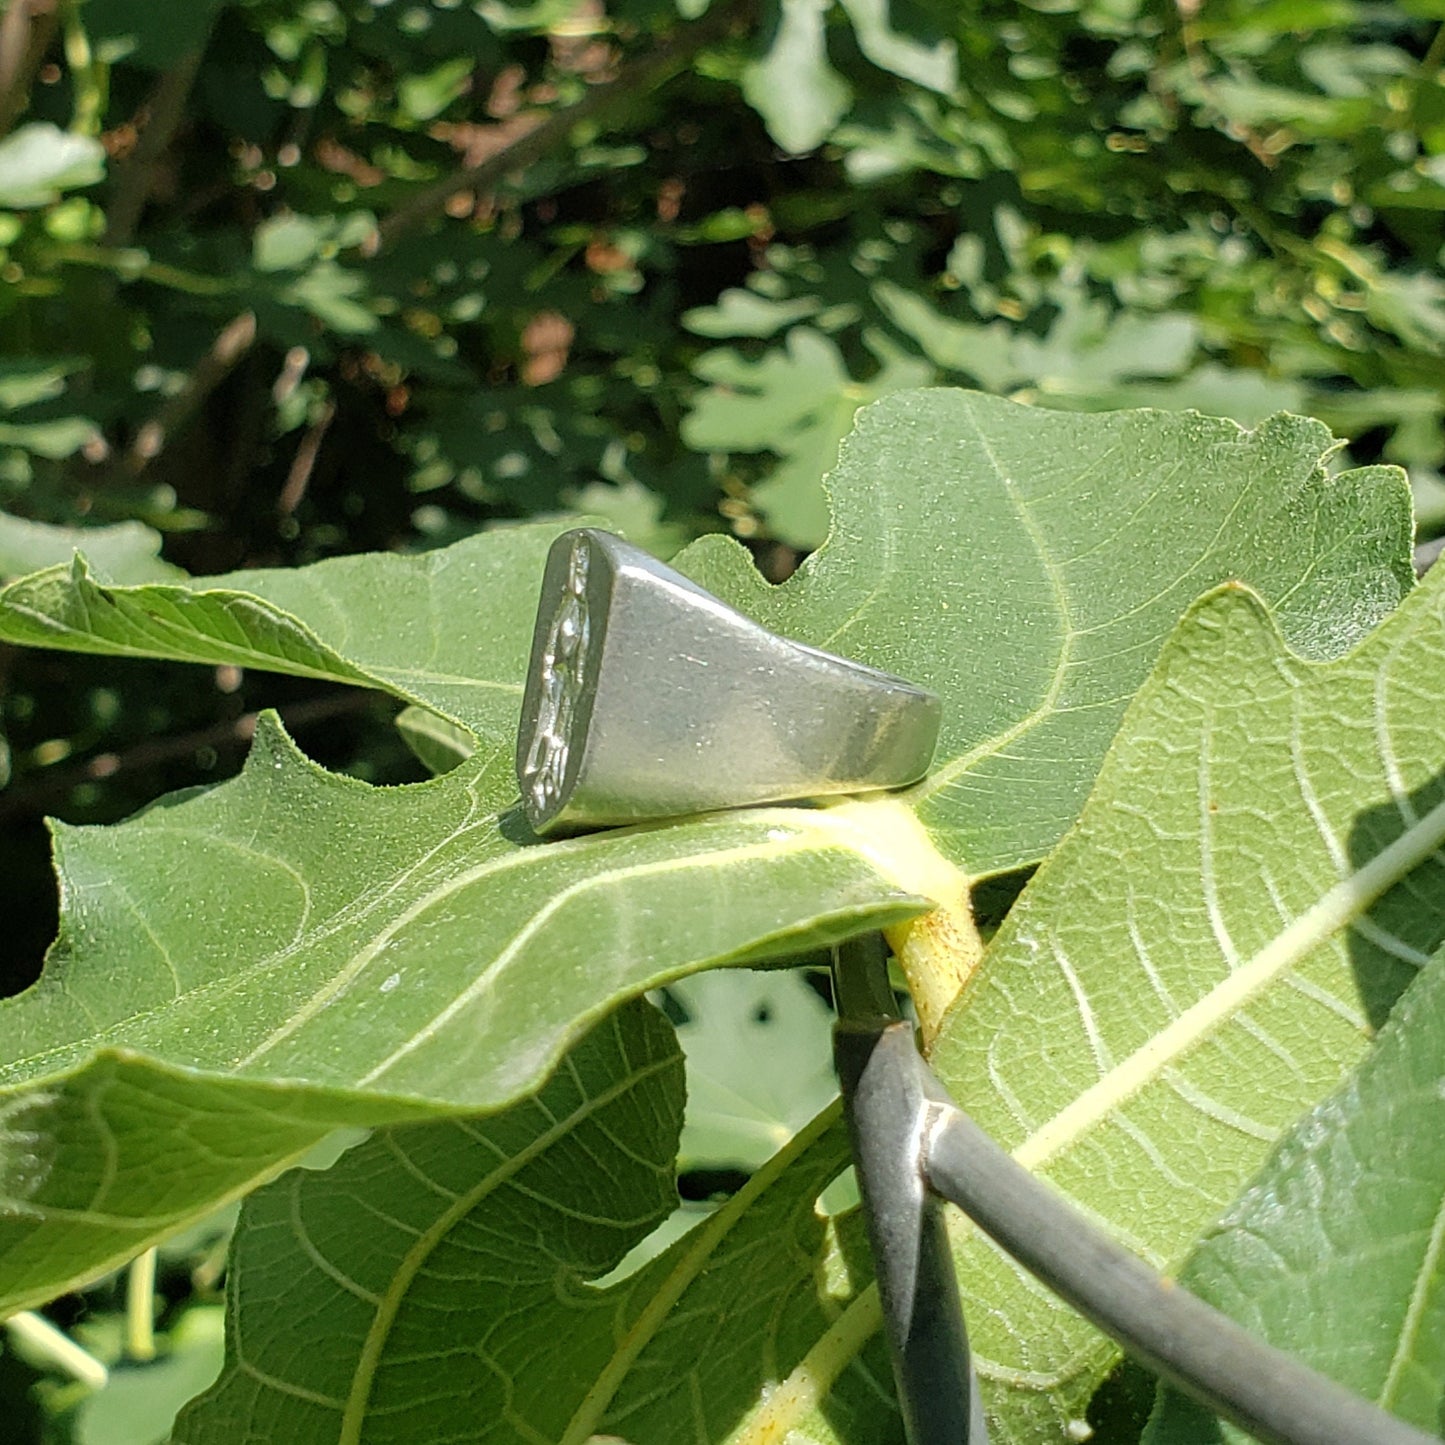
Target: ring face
{"type": "Point", "coordinates": [647, 697]}
{"type": "Point", "coordinates": [561, 678]}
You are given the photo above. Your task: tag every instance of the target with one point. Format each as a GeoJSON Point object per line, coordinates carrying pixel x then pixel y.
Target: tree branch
{"type": "Point", "coordinates": [232, 343]}
{"type": "Point", "coordinates": [33, 797]}
{"type": "Point", "coordinates": [26, 29]}
{"type": "Point", "coordinates": [643, 75]}
{"type": "Point", "coordinates": [132, 187]}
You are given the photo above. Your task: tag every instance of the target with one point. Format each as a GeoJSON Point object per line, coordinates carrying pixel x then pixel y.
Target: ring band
{"type": "Point", "coordinates": [647, 697]}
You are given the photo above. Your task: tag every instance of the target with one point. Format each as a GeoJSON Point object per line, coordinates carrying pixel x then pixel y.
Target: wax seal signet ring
{"type": "Point", "coordinates": [648, 697]}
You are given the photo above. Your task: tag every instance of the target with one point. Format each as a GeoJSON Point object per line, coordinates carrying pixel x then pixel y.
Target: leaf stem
{"type": "Point", "coordinates": [88, 75]}
{"type": "Point", "coordinates": [54, 1347]}
{"type": "Point", "coordinates": [938, 954]}
{"type": "Point", "coordinates": [140, 1306]}
{"type": "Point", "coordinates": [131, 263]}
{"type": "Point", "coordinates": [940, 951]}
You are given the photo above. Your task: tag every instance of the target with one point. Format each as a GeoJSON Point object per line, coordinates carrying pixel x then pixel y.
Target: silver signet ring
{"type": "Point", "coordinates": [647, 697]}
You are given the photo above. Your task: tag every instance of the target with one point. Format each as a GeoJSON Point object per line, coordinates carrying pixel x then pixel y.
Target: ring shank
{"type": "Point", "coordinates": [649, 698]}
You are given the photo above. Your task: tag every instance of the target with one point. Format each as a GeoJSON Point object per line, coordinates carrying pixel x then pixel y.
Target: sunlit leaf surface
{"type": "Point", "coordinates": [1336, 1252]}
{"type": "Point", "coordinates": [242, 970]}
{"type": "Point", "coordinates": [448, 1322]}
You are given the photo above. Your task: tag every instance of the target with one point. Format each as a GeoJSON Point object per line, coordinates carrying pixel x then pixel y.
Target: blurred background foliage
{"type": "Point", "coordinates": [285, 280]}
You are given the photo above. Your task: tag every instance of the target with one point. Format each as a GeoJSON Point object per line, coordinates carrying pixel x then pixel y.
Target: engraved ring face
{"type": "Point", "coordinates": [559, 685]}
{"type": "Point", "coordinates": [648, 697]}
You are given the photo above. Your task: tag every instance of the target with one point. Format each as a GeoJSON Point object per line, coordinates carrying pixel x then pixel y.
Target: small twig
{"type": "Point", "coordinates": [304, 462]}
{"type": "Point", "coordinates": [643, 75]}
{"type": "Point", "coordinates": [234, 340]}
{"type": "Point", "coordinates": [33, 797]}
{"type": "Point", "coordinates": [293, 369]}
{"type": "Point", "coordinates": [26, 30]}
{"type": "Point", "coordinates": [134, 175]}
{"type": "Point", "coordinates": [1194, 54]}
{"type": "Point", "coordinates": [130, 263]}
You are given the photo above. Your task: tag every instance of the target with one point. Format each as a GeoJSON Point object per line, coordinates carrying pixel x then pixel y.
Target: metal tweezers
{"type": "Point", "coordinates": [914, 1147]}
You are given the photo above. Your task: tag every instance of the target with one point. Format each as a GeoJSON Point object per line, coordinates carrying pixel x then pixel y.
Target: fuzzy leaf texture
{"type": "Point", "coordinates": [448, 630]}
{"type": "Point", "coordinates": [448, 1322]}
{"type": "Point", "coordinates": [363, 955]}
{"type": "Point", "coordinates": [240, 971]}
{"type": "Point", "coordinates": [1158, 1026]}
{"type": "Point", "coordinates": [1336, 1252]}
{"type": "Point", "coordinates": [1257, 876]}
{"type": "Point", "coordinates": [1026, 564]}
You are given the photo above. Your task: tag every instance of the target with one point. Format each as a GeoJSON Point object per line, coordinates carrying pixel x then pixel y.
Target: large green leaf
{"type": "Point", "coordinates": [452, 1263]}
{"type": "Point", "coordinates": [1256, 877]}
{"type": "Point", "coordinates": [382, 953]}
{"type": "Point", "coordinates": [1337, 1250]}
{"type": "Point", "coordinates": [1028, 565]}
{"type": "Point", "coordinates": [328, 953]}
{"type": "Point", "coordinates": [377, 1245]}
{"type": "Point", "coordinates": [447, 629]}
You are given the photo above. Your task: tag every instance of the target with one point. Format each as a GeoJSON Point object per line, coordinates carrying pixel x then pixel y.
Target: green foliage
{"type": "Point", "coordinates": [243, 970]}
{"type": "Point", "coordinates": [1344, 1222]}
{"type": "Point", "coordinates": [1093, 205]}
{"type": "Point", "coordinates": [281, 285]}
{"type": "Point", "coordinates": [758, 1064]}
{"type": "Point", "coordinates": [1141, 1032]}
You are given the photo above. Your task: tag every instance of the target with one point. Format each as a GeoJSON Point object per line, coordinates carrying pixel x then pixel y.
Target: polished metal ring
{"type": "Point", "coordinates": [647, 697]}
